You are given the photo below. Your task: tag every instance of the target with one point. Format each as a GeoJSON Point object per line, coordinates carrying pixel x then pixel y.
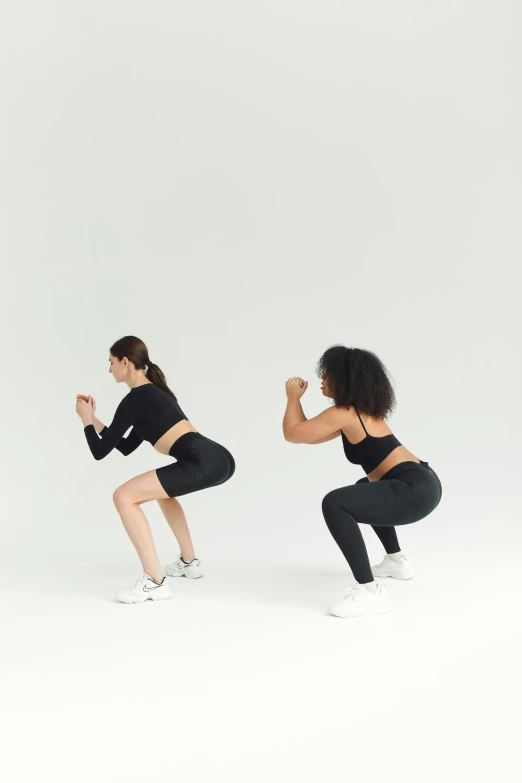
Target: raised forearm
{"type": "Point", "coordinates": [293, 415]}
{"type": "Point", "coordinates": [98, 426]}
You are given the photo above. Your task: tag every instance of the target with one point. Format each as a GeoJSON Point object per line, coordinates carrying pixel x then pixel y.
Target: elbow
{"type": "Point", "coordinates": [294, 433]}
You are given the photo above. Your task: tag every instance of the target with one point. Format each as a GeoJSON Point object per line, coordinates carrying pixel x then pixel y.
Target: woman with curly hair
{"type": "Point", "coordinates": [398, 488]}
{"type": "Point", "coordinates": [153, 412]}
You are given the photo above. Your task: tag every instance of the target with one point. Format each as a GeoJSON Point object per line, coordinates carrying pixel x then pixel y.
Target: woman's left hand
{"type": "Point", "coordinates": [84, 410]}
{"type": "Point", "coordinates": [295, 388]}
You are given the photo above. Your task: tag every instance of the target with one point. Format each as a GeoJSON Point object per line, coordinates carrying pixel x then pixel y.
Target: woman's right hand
{"type": "Point", "coordinates": [89, 399]}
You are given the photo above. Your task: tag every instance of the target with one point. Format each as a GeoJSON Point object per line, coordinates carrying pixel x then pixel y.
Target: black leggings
{"type": "Point", "coordinates": [406, 493]}
{"type": "Point", "coordinates": [200, 463]}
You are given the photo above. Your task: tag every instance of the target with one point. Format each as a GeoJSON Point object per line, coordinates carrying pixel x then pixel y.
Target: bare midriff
{"type": "Point", "coordinates": [165, 443]}
{"type": "Point", "coordinates": [398, 455]}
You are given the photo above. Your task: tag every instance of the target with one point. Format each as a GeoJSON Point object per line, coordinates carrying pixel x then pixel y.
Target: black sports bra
{"type": "Point", "coordinates": [370, 451]}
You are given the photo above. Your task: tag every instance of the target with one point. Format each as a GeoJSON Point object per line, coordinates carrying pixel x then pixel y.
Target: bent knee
{"type": "Point", "coordinates": [338, 500]}
{"type": "Point", "coordinates": [330, 501]}
{"type": "Point", "coordinates": [122, 497]}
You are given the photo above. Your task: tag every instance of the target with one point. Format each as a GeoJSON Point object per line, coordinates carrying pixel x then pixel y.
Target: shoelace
{"type": "Point", "coordinates": [356, 591]}
{"type": "Point", "coordinates": [139, 582]}
{"type": "Point", "coordinates": [353, 592]}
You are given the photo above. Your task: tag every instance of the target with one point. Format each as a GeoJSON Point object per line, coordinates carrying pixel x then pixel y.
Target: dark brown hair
{"type": "Point", "coordinates": [357, 377]}
{"type": "Point", "coordinates": [137, 352]}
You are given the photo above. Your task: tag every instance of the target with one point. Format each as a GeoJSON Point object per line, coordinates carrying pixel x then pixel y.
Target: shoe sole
{"type": "Point", "coordinates": [364, 614]}
{"type": "Point", "coordinates": [187, 576]}
{"type": "Point", "coordinates": [147, 598]}
{"type": "Point", "coordinates": [391, 576]}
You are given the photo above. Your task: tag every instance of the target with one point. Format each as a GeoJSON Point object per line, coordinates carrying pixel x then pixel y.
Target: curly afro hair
{"type": "Point", "coordinates": [357, 377]}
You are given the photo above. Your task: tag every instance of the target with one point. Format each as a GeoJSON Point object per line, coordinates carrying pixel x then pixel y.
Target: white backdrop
{"type": "Point", "coordinates": [242, 185]}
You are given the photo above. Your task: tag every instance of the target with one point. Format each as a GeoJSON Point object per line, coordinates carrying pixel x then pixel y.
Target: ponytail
{"type": "Point", "coordinates": [155, 375]}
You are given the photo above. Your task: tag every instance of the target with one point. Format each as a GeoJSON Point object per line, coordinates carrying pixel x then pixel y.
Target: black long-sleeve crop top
{"type": "Point", "coordinates": [148, 409]}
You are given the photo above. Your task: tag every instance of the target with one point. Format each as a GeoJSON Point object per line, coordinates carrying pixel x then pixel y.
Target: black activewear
{"type": "Point", "coordinates": [370, 451]}
{"type": "Point", "coordinates": [201, 463]}
{"type": "Point", "coordinates": [406, 493]}
{"type": "Point", "coordinates": [148, 409]}
{"type": "Point", "coordinates": [151, 412]}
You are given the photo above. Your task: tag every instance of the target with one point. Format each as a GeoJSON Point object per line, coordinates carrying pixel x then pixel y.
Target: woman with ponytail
{"type": "Point", "coordinates": [398, 488]}
{"type": "Point", "coordinates": [152, 411]}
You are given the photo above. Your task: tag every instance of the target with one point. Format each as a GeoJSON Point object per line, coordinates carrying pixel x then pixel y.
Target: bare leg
{"type": "Point", "coordinates": [127, 500]}
{"type": "Point", "coordinates": [175, 516]}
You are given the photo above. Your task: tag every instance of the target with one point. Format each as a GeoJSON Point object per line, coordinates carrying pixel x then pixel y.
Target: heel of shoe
{"type": "Point", "coordinates": [161, 595]}
{"type": "Point", "coordinates": [193, 573]}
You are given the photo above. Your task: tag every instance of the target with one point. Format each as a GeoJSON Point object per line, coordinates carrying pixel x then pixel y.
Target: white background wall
{"type": "Point", "coordinates": [242, 185]}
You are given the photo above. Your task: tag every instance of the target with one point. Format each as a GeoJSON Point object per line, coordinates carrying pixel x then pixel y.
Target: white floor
{"type": "Point", "coordinates": [243, 676]}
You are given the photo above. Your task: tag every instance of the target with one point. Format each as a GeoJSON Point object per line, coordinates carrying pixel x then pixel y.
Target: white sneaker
{"type": "Point", "coordinates": [143, 589]}
{"type": "Point", "coordinates": [396, 570]}
{"type": "Point", "coordinates": [359, 601]}
{"type": "Point", "coordinates": [191, 570]}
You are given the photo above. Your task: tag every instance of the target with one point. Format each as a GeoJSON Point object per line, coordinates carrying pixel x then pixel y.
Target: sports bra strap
{"type": "Point", "coordinates": [364, 428]}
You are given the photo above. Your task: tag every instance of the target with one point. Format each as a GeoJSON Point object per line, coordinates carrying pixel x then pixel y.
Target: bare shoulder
{"type": "Point", "coordinates": [341, 415]}
{"type": "Point", "coordinates": [338, 417]}
{"type": "Point", "coordinates": [347, 420]}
